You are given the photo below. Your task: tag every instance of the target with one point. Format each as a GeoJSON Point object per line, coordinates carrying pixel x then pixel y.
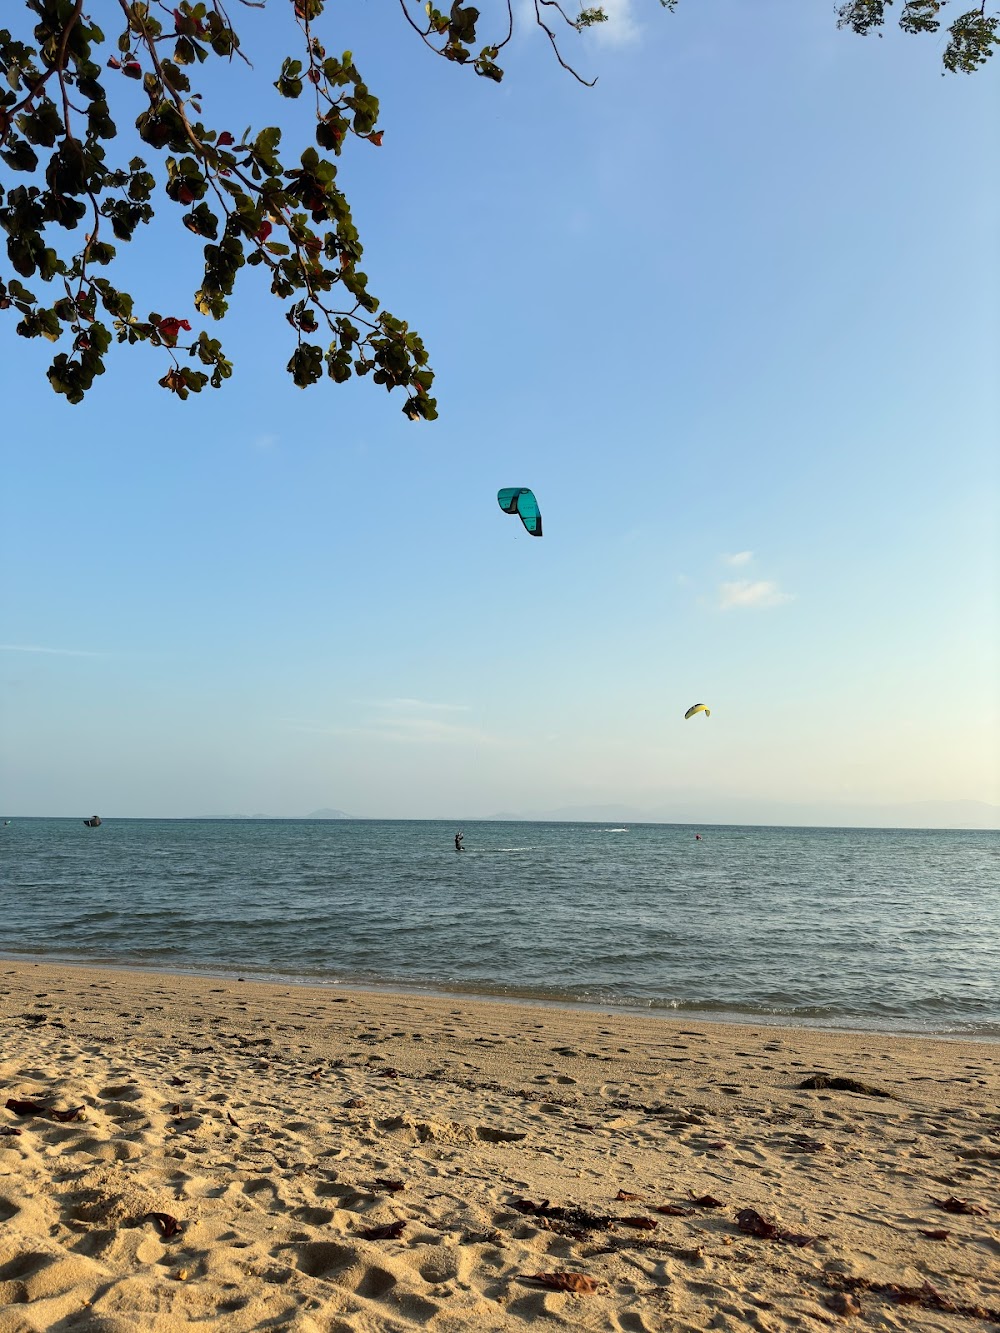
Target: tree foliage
{"type": "Point", "coordinates": [68, 202]}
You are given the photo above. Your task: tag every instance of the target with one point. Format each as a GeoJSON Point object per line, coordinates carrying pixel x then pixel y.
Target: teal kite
{"type": "Point", "coordinates": [519, 500]}
{"type": "Point", "coordinates": [697, 708]}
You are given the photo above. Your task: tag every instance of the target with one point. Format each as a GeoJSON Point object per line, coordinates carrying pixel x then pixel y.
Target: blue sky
{"type": "Point", "coordinates": [732, 314]}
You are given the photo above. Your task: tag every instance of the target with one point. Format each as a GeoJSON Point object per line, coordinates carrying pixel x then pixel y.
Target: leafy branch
{"type": "Point", "coordinates": [251, 204]}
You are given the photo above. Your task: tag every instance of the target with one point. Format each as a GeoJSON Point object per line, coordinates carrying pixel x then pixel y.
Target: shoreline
{"type": "Point", "coordinates": [368, 1162]}
{"type": "Point", "coordinates": [732, 1018]}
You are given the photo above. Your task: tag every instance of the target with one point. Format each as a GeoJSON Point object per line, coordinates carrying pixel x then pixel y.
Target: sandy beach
{"type": "Point", "coordinates": [180, 1150]}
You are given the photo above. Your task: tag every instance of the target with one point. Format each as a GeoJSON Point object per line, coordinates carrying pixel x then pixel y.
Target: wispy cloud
{"type": "Point", "coordinates": [52, 652]}
{"type": "Point", "coordinates": [740, 558]}
{"type": "Point", "coordinates": [419, 731]}
{"type": "Point", "coordinates": [404, 721]}
{"type": "Point", "coordinates": [755, 595]}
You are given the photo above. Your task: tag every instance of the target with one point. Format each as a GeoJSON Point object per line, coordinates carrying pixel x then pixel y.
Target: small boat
{"type": "Point", "coordinates": [93, 822]}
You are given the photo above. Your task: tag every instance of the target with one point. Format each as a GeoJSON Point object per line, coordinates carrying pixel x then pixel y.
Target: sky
{"type": "Point", "coordinates": [732, 314]}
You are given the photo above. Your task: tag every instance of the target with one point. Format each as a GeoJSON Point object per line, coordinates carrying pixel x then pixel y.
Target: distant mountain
{"type": "Point", "coordinates": [327, 813]}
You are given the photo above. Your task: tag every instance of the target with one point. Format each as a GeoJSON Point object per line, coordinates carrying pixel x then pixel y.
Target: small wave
{"type": "Point", "coordinates": [495, 851]}
{"type": "Point", "coordinates": [615, 830]}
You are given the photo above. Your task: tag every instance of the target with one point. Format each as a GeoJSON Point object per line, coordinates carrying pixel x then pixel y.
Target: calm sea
{"type": "Point", "coordinates": [895, 929]}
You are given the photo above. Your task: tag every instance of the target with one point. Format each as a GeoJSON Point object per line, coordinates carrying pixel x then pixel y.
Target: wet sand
{"type": "Point", "coordinates": [373, 1163]}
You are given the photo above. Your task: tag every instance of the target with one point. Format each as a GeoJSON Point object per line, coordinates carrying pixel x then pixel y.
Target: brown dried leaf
{"type": "Point", "coordinates": [935, 1235]}
{"type": "Point", "coordinates": [526, 1205]}
{"type": "Point", "coordinates": [391, 1232]}
{"type": "Point", "coordinates": [391, 1186]}
{"type": "Point", "coordinates": [623, 1196]}
{"type": "Point", "coordinates": [672, 1210]}
{"type": "Point", "coordinates": [387, 1073]}
{"type": "Point", "coordinates": [706, 1201]}
{"type": "Point", "coordinates": [355, 1104]}
{"type": "Point", "coordinates": [578, 1283]}
{"type": "Point", "coordinates": [168, 1226]}
{"type": "Point", "coordinates": [751, 1223]}
{"type": "Point", "coordinates": [178, 1082]}
{"type": "Point", "coordinates": [10, 1131]}
{"type": "Point", "coordinates": [950, 1205]}
{"type": "Point", "coordinates": [24, 1106]}
{"type": "Point", "coordinates": [232, 1119]}
{"type": "Point", "coordinates": [640, 1223]}
{"type": "Point", "coordinates": [64, 1117]}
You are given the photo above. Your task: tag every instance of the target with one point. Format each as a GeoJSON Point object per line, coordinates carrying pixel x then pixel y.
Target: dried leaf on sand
{"type": "Point", "coordinates": [578, 1283]}
{"type": "Point", "coordinates": [167, 1226]}
{"type": "Point", "coordinates": [751, 1223]}
{"type": "Point", "coordinates": [28, 1106]}
{"type": "Point", "coordinates": [953, 1205]}
{"type": "Point", "coordinates": [391, 1232]}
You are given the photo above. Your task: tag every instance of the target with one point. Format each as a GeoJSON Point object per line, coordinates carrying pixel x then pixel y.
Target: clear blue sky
{"type": "Point", "coordinates": [732, 314]}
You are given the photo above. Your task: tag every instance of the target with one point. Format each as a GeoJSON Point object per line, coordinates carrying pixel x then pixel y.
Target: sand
{"type": "Point", "coordinates": [282, 1126]}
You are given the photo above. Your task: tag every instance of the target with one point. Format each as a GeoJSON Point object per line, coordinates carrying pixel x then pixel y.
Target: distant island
{"type": "Point", "coordinates": [327, 813]}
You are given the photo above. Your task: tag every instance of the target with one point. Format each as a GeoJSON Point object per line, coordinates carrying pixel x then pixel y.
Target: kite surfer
{"type": "Point", "coordinates": [458, 841]}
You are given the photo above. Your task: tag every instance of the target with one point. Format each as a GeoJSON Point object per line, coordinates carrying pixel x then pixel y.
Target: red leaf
{"type": "Point", "coordinates": [168, 1226]}
{"type": "Point", "coordinates": [22, 1106]}
{"type": "Point", "coordinates": [640, 1223]}
{"type": "Point", "coordinates": [263, 231]}
{"type": "Point", "coordinates": [376, 138]}
{"type": "Point", "coordinates": [170, 327]}
{"type": "Point", "coordinates": [225, 139]}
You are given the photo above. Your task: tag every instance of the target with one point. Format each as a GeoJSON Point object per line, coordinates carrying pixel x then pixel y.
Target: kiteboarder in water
{"type": "Point", "coordinates": [458, 841]}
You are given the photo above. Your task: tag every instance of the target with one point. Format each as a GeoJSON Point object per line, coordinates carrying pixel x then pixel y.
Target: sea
{"type": "Point", "coordinates": [889, 929]}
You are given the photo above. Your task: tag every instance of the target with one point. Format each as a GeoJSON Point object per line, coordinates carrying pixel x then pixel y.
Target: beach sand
{"type": "Point", "coordinates": [282, 1126]}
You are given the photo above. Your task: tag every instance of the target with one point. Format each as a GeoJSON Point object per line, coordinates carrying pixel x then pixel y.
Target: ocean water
{"type": "Point", "coordinates": [856, 928]}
